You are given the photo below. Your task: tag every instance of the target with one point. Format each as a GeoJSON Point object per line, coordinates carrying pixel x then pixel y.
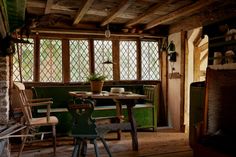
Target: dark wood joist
{"type": "Point", "coordinates": [48, 7]}
{"type": "Point", "coordinates": [185, 11]}
{"type": "Point", "coordinates": [122, 7]}
{"type": "Point", "coordinates": [146, 14]}
{"type": "Point", "coordinates": [85, 5]}
{"type": "Point", "coordinates": [204, 18]}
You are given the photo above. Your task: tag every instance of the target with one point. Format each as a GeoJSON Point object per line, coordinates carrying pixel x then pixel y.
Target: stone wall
{"type": "Point", "coordinates": [4, 102]}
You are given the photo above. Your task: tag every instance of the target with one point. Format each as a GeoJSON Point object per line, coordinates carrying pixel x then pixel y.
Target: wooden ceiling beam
{"type": "Point", "coordinates": [48, 7]}
{"type": "Point", "coordinates": [147, 13]}
{"type": "Point", "coordinates": [185, 11]}
{"type": "Point", "coordinates": [122, 7]}
{"type": "Point", "coordinates": [85, 5]}
{"type": "Point", "coordinates": [204, 18]}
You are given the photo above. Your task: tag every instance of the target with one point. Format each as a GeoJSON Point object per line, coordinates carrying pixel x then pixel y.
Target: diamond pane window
{"type": "Point", "coordinates": [150, 60]}
{"type": "Point", "coordinates": [128, 60]}
{"type": "Point", "coordinates": [50, 60]}
{"type": "Point", "coordinates": [26, 57]}
{"type": "Point", "coordinates": [79, 60]}
{"type": "Point", "coordinates": [102, 53]}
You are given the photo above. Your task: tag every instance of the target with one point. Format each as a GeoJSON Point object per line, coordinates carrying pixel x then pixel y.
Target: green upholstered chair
{"type": "Point", "coordinates": [84, 128]}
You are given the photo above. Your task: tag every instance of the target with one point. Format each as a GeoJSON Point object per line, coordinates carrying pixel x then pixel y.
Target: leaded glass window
{"type": "Point", "coordinates": [24, 55]}
{"type": "Point", "coordinates": [79, 60]}
{"type": "Point", "coordinates": [102, 53]}
{"type": "Point", "coordinates": [128, 60]}
{"type": "Point", "coordinates": [50, 60]}
{"type": "Point", "coordinates": [150, 60]}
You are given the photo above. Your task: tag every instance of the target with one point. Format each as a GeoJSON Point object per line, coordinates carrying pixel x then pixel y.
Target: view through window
{"type": "Point", "coordinates": [102, 53]}
{"type": "Point", "coordinates": [128, 60]}
{"type": "Point", "coordinates": [150, 60]}
{"type": "Point", "coordinates": [24, 58]}
{"type": "Point", "coordinates": [79, 50]}
{"type": "Point", "coordinates": [79, 59]}
{"type": "Point", "coordinates": [50, 60]}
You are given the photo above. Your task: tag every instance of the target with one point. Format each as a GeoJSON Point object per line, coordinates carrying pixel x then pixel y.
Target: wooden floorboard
{"type": "Point", "coordinates": [151, 144]}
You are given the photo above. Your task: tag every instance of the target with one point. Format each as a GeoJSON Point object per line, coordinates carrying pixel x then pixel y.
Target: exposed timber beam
{"type": "Point", "coordinates": [85, 5]}
{"type": "Point", "coordinates": [122, 7]}
{"type": "Point", "coordinates": [92, 33]}
{"type": "Point", "coordinates": [146, 14]}
{"type": "Point", "coordinates": [48, 7]}
{"type": "Point", "coordinates": [204, 18]}
{"type": "Point", "coordinates": [186, 11]}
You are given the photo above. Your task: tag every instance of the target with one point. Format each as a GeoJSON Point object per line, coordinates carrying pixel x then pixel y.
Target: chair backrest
{"type": "Point", "coordinates": [149, 91]}
{"type": "Point", "coordinates": [26, 109]}
{"type": "Point", "coordinates": [83, 123]}
{"type": "Point", "coordinates": [220, 104]}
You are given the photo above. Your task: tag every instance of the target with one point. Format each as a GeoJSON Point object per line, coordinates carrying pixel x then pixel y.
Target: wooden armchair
{"type": "Point", "coordinates": [215, 136]}
{"type": "Point", "coordinates": [84, 127]}
{"type": "Point", "coordinates": [29, 121]}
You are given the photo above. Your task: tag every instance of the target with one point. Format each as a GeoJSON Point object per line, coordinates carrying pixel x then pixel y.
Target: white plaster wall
{"type": "Point", "coordinates": [174, 85]}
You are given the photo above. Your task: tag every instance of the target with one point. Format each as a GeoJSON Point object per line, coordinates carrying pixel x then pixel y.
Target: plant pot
{"type": "Point", "coordinates": [96, 86]}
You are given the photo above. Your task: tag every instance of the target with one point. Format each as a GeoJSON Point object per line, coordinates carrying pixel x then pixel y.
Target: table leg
{"type": "Point", "coordinates": [119, 115]}
{"type": "Point", "coordinates": [133, 127]}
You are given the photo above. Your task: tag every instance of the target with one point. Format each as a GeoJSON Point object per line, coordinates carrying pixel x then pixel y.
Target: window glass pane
{"type": "Point", "coordinates": [128, 60]}
{"type": "Point", "coordinates": [26, 56]}
{"type": "Point", "coordinates": [102, 53]}
{"type": "Point", "coordinates": [150, 61]}
{"type": "Point", "coordinates": [50, 60]}
{"type": "Point", "coordinates": [79, 60]}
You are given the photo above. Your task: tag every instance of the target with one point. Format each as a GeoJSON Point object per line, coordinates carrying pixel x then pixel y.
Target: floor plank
{"type": "Point", "coordinates": [151, 144]}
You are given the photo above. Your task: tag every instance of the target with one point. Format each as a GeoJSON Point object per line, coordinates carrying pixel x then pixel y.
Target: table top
{"type": "Point", "coordinates": [107, 95]}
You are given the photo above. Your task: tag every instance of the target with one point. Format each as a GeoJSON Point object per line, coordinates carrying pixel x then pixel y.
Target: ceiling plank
{"type": "Point", "coordinates": [85, 5]}
{"type": "Point", "coordinates": [48, 7]}
{"type": "Point", "coordinates": [122, 7]}
{"type": "Point", "coordinates": [146, 14]}
{"type": "Point", "coordinates": [204, 18]}
{"type": "Point", "coordinates": [188, 10]}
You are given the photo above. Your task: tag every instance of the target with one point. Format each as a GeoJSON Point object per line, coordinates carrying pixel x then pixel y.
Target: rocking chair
{"type": "Point", "coordinates": [31, 122]}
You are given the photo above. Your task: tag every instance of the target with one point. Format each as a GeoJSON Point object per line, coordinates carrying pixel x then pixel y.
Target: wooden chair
{"type": "Point", "coordinates": [215, 136]}
{"type": "Point", "coordinates": [31, 122]}
{"type": "Point", "coordinates": [84, 127]}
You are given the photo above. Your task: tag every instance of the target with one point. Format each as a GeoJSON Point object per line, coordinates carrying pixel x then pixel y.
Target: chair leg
{"type": "Point", "coordinates": [106, 147]}
{"type": "Point", "coordinates": [23, 142]}
{"type": "Point", "coordinates": [54, 139]}
{"type": "Point", "coordinates": [84, 148]}
{"type": "Point", "coordinates": [96, 147]}
{"type": "Point", "coordinates": [76, 150]}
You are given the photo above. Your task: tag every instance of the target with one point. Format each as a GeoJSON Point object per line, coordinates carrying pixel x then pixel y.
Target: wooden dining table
{"type": "Point", "coordinates": [129, 100]}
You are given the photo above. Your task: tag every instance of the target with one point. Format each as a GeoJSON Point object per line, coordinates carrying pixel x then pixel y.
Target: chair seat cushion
{"type": "Point", "coordinates": [43, 121]}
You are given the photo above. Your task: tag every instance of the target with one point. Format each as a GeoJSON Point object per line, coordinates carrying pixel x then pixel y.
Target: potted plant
{"type": "Point", "coordinates": [96, 82]}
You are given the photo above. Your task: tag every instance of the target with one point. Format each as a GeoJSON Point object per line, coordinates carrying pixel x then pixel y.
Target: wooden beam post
{"type": "Point", "coordinates": [65, 61]}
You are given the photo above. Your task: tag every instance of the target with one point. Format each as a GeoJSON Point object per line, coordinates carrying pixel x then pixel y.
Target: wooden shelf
{"type": "Point", "coordinates": [221, 44]}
